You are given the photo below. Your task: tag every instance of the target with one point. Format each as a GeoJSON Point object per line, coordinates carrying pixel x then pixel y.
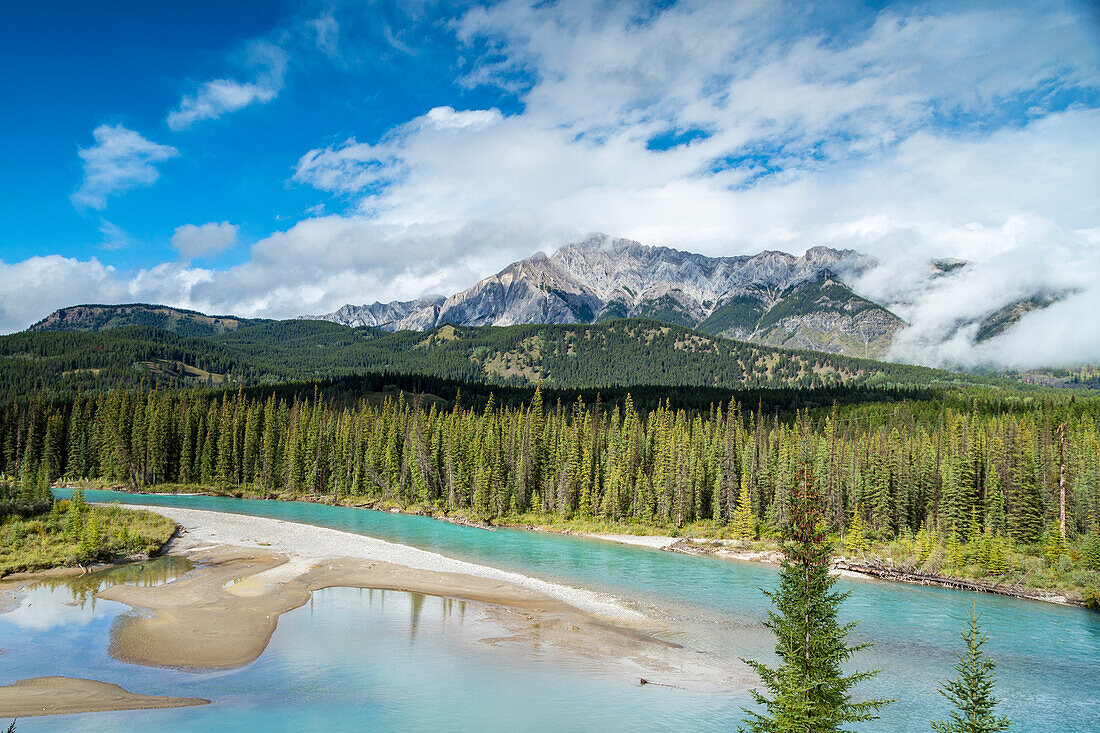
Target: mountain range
{"type": "Point", "coordinates": [772, 298]}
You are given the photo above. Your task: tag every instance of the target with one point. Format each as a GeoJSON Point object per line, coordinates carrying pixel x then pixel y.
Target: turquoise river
{"type": "Point", "coordinates": [369, 660]}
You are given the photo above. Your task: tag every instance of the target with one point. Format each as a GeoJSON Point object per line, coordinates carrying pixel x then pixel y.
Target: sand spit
{"type": "Point", "coordinates": [657, 542]}
{"type": "Point", "coordinates": [222, 615]}
{"type": "Point", "coordinates": [305, 544]}
{"type": "Point", "coordinates": [56, 695]}
{"type": "Point", "coordinates": [250, 570]}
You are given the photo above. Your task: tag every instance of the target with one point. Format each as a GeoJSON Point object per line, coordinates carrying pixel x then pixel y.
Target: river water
{"type": "Point", "coordinates": [356, 659]}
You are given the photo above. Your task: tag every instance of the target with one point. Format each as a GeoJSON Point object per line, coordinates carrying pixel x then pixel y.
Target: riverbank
{"type": "Point", "coordinates": [694, 540]}
{"type": "Point", "coordinates": [852, 567]}
{"type": "Point", "coordinates": [74, 536]}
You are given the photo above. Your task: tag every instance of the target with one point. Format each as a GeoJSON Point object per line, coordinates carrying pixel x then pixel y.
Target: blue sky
{"type": "Point", "coordinates": [273, 159]}
{"type": "Point", "coordinates": [76, 66]}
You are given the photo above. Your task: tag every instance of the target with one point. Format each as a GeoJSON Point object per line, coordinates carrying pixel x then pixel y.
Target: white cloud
{"type": "Point", "coordinates": [193, 241]}
{"type": "Point", "coordinates": [446, 118]}
{"type": "Point", "coordinates": [933, 131]}
{"type": "Point", "coordinates": [306, 269]}
{"type": "Point", "coordinates": [33, 288]}
{"type": "Point", "coordinates": [120, 160]}
{"type": "Point", "coordinates": [353, 166]}
{"type": "Point", "coordinates": [326, 32]}
{"type": "Point", "coordinates": [217, 97]}
{"type": "Point", "coordinates": [114, 236]}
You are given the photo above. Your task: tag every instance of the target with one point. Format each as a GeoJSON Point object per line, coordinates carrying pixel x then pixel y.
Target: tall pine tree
{"type": "Point", "coordinates": [809, 692]}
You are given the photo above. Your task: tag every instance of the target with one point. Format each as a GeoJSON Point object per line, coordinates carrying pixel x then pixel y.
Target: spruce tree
{"type": "Point", "coordinates": [953, 549]}
{"type": "Point", "coordinates": [1056, 545]}
{"type": "Point", "coordinates": [1090, 551]}
{"type": "Point", "coordinates": [998, 556]}
{"type": "Point", "coordinates": [856, 539]}
{"type": "Point", "coordinates": [809, 691]}
{"type": "Point", "coordinates": [744, 522]}
{"type": "Point", "coordinates": [91, 539]}
{"type": "Point", "coordinates": [926, 542]}
{"type": "Point", "coordinates": [971, 693]}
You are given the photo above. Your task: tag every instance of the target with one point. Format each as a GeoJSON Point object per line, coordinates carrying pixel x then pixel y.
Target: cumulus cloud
{"type": "Point", "coordinates": [353, 166]}
{"type": "Point", "coordinates": [120, 160]}
{"type": "Point", "coordinates": [217, 97]}
{"type": "Point", "coordinates": [31, 289]}
{"type": "Point", "coordinates": [193, 241]}
{"type": "Point", "coordinates": [306, 269]}
{"type": "Point", "coordinates": [725, 128]}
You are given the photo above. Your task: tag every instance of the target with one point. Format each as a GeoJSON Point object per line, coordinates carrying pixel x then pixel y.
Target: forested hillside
{"type": "Point", "coordinates": [123, 357]}
{"type": "Point", "coordinates": [106, 317]}
{"type": "Point", "coordinates": [619, 352]}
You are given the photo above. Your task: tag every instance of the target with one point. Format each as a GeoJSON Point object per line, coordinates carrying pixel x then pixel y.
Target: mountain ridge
{"type": "Point", "coordinates": [614, 353]}
{"type": "Point", "coordinates": [103, 317]}
{"type": "Point", "coordinates": [602, 277]}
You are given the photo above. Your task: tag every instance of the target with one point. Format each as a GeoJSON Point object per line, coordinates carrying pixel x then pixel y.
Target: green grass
{"type": "Point", "coordinates": [75, 533]}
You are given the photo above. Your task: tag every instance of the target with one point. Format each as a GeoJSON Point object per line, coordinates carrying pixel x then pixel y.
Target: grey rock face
{"type": "Point", "coordinates": [377, 315]}
{"type": "Point", "coordinates": [603, 277]}
{"type": "Point", "coordinates": [866, 333]}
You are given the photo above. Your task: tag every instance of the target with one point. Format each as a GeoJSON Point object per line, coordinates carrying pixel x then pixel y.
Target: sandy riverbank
{"type": "Point", "coordinates": [56, 695]}
{"type": "Point", "coordinates": [306, 545]}
{"type": "Point", "coordinates": [250, 570]}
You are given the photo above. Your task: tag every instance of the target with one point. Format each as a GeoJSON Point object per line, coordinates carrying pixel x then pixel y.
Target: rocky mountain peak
{"type": "Point", "coordinates": [602, 277]}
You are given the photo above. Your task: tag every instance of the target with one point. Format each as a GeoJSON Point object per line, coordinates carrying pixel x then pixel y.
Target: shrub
{"type": "Point", "coordinates": [24, 500]}
{"type": "Point", "coordinates": [1092, 598]}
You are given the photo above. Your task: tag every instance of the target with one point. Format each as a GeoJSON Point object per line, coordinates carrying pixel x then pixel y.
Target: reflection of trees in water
{"type": "Point", "coordinates": [416, 606]}
{"type": "Point", "coordinates": [417, 602]}
{"type": "Point", "coordinates": [448, 605]}
{"type": "Point", "coordinates": [83, 588]}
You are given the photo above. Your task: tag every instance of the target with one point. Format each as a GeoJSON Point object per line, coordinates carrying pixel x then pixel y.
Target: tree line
{"type": "Point", "coordinates": [897, 468]}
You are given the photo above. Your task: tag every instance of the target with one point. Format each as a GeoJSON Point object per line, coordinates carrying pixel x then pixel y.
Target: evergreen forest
{"type": "Point", "coordinates": [991, 472]}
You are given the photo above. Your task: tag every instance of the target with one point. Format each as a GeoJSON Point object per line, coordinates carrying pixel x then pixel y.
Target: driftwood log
{"type": "Point", "coordinates": [910, 575]}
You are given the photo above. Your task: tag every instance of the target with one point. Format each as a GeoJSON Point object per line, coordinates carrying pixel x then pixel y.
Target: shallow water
{"type": "Point", "coordinates": [316, 675]}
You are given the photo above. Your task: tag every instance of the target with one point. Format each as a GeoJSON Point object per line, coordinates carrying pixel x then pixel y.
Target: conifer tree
{"type": "Point", "coordinates": [809, 692]}
{"type": "Point", "coordinates": [1026, 516]}
{"type": "Point", "coordinates": [91, 538]}
{"type": "Point", "coordinates": [1056, 545]}
{"type": "Point", "coordinates": [973, 526]}
{"type": "Point", "coordinates": [971, 693]}
{"type": "Point", "coordinates": [953, 549]}
{"type": "Point", "coordinates": [981, 549]}
{"type": "Point", "coordinates": [744, 522]}
{"type": "Point", "coordinates": [1090, 551]}
{"type": "Point", "coordinates": [998, 556]}
{"type": "Point", "coordinates": [856, 539]}
{"type": "Point", "coordinates": [926, 542]}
